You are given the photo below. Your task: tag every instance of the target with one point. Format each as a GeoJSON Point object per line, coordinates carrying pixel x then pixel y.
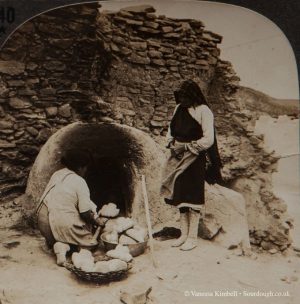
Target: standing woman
{"type": "Point", "coordinates": [192, 141]}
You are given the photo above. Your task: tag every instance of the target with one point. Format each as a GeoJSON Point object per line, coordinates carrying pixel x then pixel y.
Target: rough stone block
{"type": "Point", "coordinates": [31, 66]}
{"type": "Point", "coordinates": [172, 62]}
{"type": "Point", "coordinates": [163, 109]}
{"type": "Point", "coordinates": [54, 65]}
{"type": "Point", "coordinates": [125, 14]}
{"type": "Point", "coordinates": [133, 22]}
{"type": "Point", "coordinates": [167, 29]}
{"type": "Point", "coordinates": [212, 60]}
{"type": "Point", "coordinates": [208, 228]}
{"type": "Point", "coordinates": [27, 27]}
{"type": "Point", "coordinates": [48, 91]}
{"type": "Point", "coordinates": [151, 24]}
{"type": "Point", "coordinates": [196, 23]}
{"type": "Point", "coordinates": [6, 124]}
{"type": "Point", "coordinates": [12, 67]}
{"type": "Point", "coordinates": [144, 101]}
{"type": "Point", "coordinates": [154, 43]}
{"type": "Point", "coordinates": [2, 113]}
{"type": "Point", "coordinates": [202, 62]}
{"type": "Point", "coordinates": [77, 27]}
{"type": "Point", "coordinates": [44, 134]}
{"type": "Point", "coordinates": [154, 54]}
{"type": "Point", "coordinates": [32, 131]}
{"type": "Point", "coordinates": [158, 118]}
{"type": "Point", "coordinates": [151, 16]}
{"type": "Point", "coordinates": [114, 47]}
{"type": "Point", "coordinates": [166, 50]}
{"type": "Point", "coordinates": [128, 112]}
{"type": "Point", "coordinates": [16, 83]}
{"type": "Point", "coordinates": [139, 9]}
{"type": "Point", "coordinates": [53, 30]}
{"type": "Point", "coordinates": [120, 40]}
{"type": "Point", "coordinates": [6, 144]}
{"type": "Point", "coordinates": [228, 209]}
{"type": "Point", "coordinates": [27, 92]}
{"type": "Point", "coordinates": [186, 27]}
{"type": "Point", "coordinates": [7, 132]}
{"type": "Point", "coordinates": [207, 35]}
{"type": "Point", "coordinates": [148, 30]}
{"type": "Point", "coordinates": [28, 150]}
{"type": "Point", "coordinates": [4, 92]}
{"type": "Point", "coordinates": [140, 46]}
{"type": "Point", "coordinates": [159, 62]}
{"type": "Point", "coordinates": [61, 43]}
{"type": "Point", "coordinates": [17, 103]}
{"type": "Point", "coordinates": [18, 134]}
{"type": "Point", "coordinates": [268, 245]}
{"type": "Point", "coordinates": [181, 50]}
{"type": "Point", "coordinates": [172, 35]}
{"type": "Point", "coordinates": [136, 295]}
{"type": "Point", "coordinates": [65, 111]}
{"type": "Point", "coordinates": [32, 81]}
{"type": "Point", "coordinates": [155, 123]}
{"type": "Point", "coordinates": [138, 59]}
{"type": "Point", "coordinates": [134, 90]}
{"type": "Point", "coordinates": [125, 51]}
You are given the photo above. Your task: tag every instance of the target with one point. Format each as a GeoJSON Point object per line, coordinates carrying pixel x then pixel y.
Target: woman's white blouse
{"type": "Point", "coordinates": [70, 194]}
{"type": "Point", "coordinates": [204, 116]}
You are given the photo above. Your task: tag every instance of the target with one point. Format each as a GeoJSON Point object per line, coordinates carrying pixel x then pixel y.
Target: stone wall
{"type": "Point", "coordinates": [76, 63]}
{"type": "Point", "coordinates": [81, 64]}
{"type": "Point", "coordinates": [46, 70]}
{"type": "Point", "coordinates": [152, 55]}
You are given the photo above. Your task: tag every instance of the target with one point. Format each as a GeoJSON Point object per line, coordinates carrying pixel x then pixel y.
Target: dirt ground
{"type": "Point", "coordinates": [207, 274]}
{"type": "Point", "coordinates": [29, 274]}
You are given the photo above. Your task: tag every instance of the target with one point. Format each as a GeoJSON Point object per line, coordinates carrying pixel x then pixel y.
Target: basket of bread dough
{"type": "Point", "coordinates": [122, 231]}
{"type": "Point", "coordinates": [101, 272]}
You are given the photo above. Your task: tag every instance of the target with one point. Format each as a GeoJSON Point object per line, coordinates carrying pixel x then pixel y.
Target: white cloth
{"type": "Point", "coordinates": [204, 116]}
{"type": "Point", "coordinates": [66, 196]}
{"type": "Point", "coordinates": [73, 191]}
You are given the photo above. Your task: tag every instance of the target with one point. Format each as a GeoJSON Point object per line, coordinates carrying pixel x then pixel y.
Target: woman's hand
{"type": "Point", "coordinates": [89, 218]}
{"type": "Point", "coordinates": [100, 221]}
{"type": "Point", "coordinates": [170, 143]}
{"type": "Point", "coordinates": [178, 149]}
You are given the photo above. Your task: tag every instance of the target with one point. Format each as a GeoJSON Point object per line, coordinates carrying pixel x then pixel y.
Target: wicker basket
{"type": "Point", "coordinates": [98, 277]}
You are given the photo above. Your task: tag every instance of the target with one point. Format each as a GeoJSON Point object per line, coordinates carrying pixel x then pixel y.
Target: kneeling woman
{"type": "Point", "coordinates": [66, 215]}
{"type": "Point", "coordinates": [191, 140]}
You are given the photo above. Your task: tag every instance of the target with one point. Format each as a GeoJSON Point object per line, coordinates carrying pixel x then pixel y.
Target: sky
{"type": "Point", "coordinates": [259, 51]}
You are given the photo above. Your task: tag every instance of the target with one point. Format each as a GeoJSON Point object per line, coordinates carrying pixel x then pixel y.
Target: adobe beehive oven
{"type": "Point", "coordinates": [121, 155]}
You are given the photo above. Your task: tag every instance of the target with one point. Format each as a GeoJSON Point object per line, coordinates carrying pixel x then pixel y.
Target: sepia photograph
{"type": "Point", "coordinates": [149, 153]}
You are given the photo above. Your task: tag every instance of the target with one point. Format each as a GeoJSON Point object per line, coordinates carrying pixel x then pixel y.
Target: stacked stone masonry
{"type": "Point", "coordinates": [79, 63]}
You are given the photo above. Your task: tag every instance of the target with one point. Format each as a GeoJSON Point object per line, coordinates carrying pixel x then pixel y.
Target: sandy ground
{"type": "Point", "coordinates": [29, 274]}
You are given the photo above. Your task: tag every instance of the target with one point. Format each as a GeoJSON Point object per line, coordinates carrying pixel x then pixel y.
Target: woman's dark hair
{"type": "Point", "coordinates": [74, 159]}
{"type": "Point", "coordinates": [190, 94]}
